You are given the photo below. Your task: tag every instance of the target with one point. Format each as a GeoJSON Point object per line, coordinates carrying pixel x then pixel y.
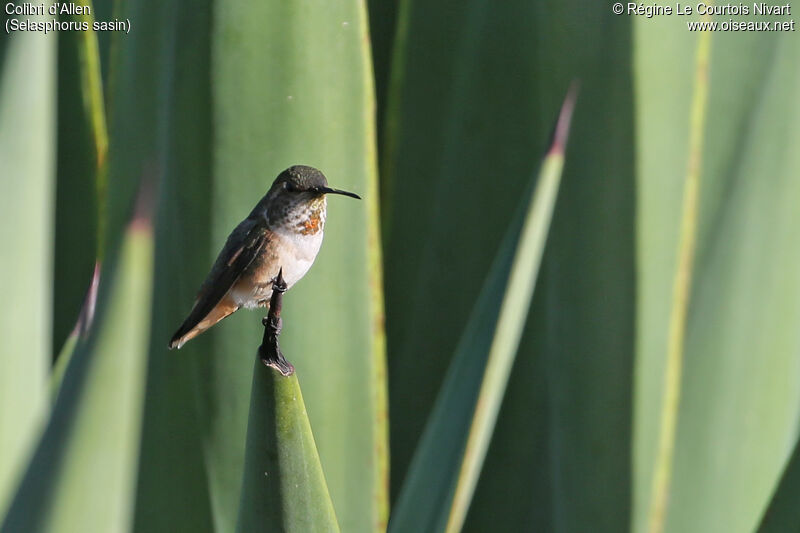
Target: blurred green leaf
{"type": "Point", "coordinates": [783, 514]}
{"type": "Point", "coordinates": [513, 313]}
{"type": "Point", "coordinates": [563, 438]}
{"type": "Point", "coordinates": [737, 419]}
{"type": "Point", "coordinates": [444, 212]}
{"type": "Point", "coordinates": [83, 475]}
{"type": "Point", "coordinates": [425, 497]}
{"type": "Point", "coordinates": [383, 19]}
{"type": "Point", "coordinates": [469, 108]}
{"type": "Point", "coordinates": [78, 334]}
{"type": "Point", "coordinates": [107, 40]}
{"type": "Point", "coordinates": [160, 125]}
{"type": "Point", "coordinates": [27, 152]}
{"type": "Point", "coordinates": [681, 289]}
{"type": "Point", "coordinates": [293, 85]}
{"type": "Point", "coordinates": [283, 487]}
{"type": "Point", "coordinates": [662, 162]}
{"type": "Point", "coordinates": [445, 469]}
{"type": "Point", "coordinates": [82, 147]}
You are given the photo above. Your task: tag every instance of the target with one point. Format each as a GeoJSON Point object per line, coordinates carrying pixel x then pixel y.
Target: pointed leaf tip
{"type": "Point", "coordinates": [86, 316]}
{"type": "Point", "coordinates": [143, 212]}
{"type": "Point", "coordinates": [561, 131]}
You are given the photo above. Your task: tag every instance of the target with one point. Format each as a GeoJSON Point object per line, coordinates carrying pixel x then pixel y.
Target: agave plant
{"type": "Point", "coordinates": [511, 332]}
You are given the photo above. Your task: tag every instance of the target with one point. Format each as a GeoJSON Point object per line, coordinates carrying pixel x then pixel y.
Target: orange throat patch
{"type": "Point", "coordinates": [312, 224]}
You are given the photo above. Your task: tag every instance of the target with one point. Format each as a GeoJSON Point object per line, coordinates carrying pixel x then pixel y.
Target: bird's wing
{"type": "Point", "coordinates": [243, 245]}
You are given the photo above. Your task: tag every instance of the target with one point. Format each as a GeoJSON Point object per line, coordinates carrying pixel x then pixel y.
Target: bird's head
{"type": "Point", "coordinates": [299, 193]}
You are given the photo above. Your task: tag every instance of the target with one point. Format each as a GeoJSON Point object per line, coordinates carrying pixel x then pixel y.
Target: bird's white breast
{"type": "Point", "coordinates": [293, 246]}
{"type": "Point", "coordinates": [303, 249]}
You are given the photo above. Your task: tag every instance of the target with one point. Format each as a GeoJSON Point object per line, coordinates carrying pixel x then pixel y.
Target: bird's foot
{"type": "Point", "coordinates": [274, 326]}
{"type": "Point", "coordinates": [279, 284]}
{"type": "Point", "coordinates": [270, 350]}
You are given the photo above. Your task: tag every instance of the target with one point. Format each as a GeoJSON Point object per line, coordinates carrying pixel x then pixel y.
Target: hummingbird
{"type": "Point", "coordinates": [282, 232]}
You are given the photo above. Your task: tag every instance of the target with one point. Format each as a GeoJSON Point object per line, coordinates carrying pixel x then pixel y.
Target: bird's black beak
{"type": "Point", "coordinates": [328, 190]}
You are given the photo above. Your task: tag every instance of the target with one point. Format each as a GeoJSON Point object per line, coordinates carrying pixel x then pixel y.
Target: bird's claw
{"type": "Point", "coordinates": [270, 351]}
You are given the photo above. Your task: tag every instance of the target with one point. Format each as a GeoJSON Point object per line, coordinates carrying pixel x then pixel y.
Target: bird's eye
{"type": "Point", "coordinates": [289, 187]}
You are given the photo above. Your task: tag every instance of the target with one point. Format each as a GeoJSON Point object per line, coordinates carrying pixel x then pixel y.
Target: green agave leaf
{"type": "Point", "coordinates": [81, 170]}
{"type": "Point", "coordinates": [83, 475]}
{"type": "Point", "coordinates": [107, 40]}
{"type": "Point", "coordinates": [425, 498]}
{"type": "Point", "coordinates": [467, 108]}
{"type": "Point", "coordinates": [382, 26]}
{"type": "Point", "coordinates": [440, 226]}
{"type": "Point", "coordinates": [293, 85]}
{"type": "Point", "coordinates": [783, 514]}
{"type": "Point", "coordinates": [283, 487]}
{"type": "Point", "coordinates": [78, 334]}
{"type": "Point", "coordinates": [662, 163]}
{"type": "Point", "coordinates": [445, 469]}
{"type": "Point", "coordinates": [740, 395]}
{"type": "Point", "coordinates": [27, 152]}
{"type": "Point", "coordinates": [160, 110]}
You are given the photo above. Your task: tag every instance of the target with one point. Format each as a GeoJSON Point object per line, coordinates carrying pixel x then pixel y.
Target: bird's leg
{"type": "Point", "coordinates": [270, 351]}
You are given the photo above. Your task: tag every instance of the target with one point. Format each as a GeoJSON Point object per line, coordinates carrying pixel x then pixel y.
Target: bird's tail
{"type": "Point", "coordinates": [194, 325]}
